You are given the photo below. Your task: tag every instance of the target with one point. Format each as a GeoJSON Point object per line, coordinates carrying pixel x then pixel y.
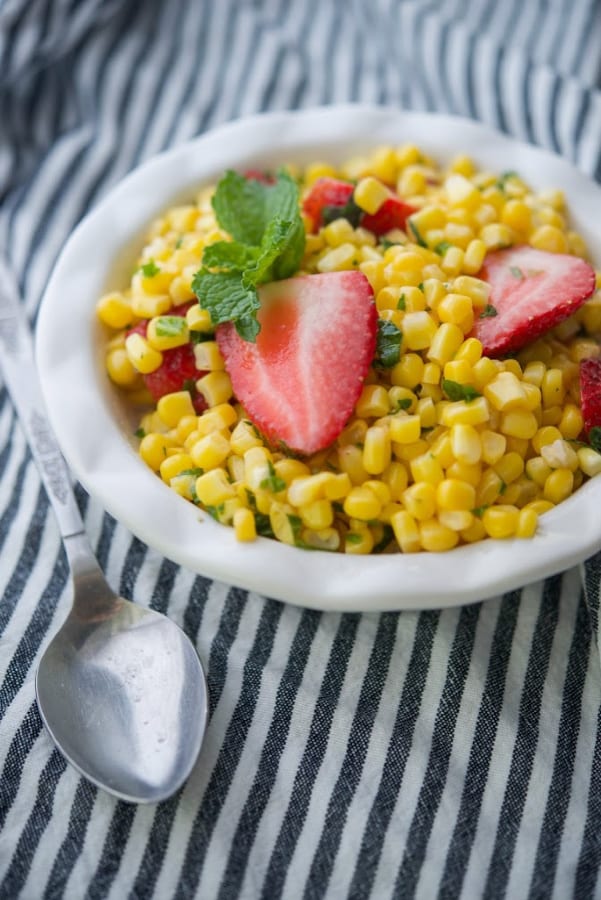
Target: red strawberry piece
{"type": "Point", "coordinates": [259, 175]}
{"type": "Point", "coordinates": [532, 291]}
{"type": "Point", "coordinates": [393, 213]}
{"type": "Point", "coordinates": [301, 379]}
{"type": "Point", "coordinates": [590, 393]}
{"type": "Point", "coordinates": [178, 370]}
{"type": "Point", "coordinates": [326, 192]}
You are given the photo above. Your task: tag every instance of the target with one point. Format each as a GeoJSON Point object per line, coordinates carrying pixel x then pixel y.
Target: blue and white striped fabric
{"type": "Point", "coordinates": [443, 754]}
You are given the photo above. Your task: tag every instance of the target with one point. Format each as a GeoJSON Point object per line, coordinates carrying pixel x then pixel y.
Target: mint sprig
{"type": "Point", "coordinates": [268, 242]}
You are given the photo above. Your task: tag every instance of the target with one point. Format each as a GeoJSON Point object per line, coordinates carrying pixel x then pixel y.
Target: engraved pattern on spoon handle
{"type": "Point", "coordinates": [17, 363]}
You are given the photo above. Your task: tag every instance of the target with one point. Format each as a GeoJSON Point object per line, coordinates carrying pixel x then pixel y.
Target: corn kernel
{"type": "Point", "coordinates": [406, 531]}
{"type": "Point", "coordinates": [558, 485]}
{"type": "Point", "coordinates": [589, 460]}
{"type": "Point", "coordinates": [317, 515]}
{"type": "Point", "coordinates": [500, 521]}
{"type": "Point", "coordinates": [548, 434]}
{"type": "Point", "coordinates": [350, 460]}
{"type": "Point", "coordinates": [476, 412]}
{"type": "Point", "coordinates": [244, 436]}
{"type": "Point", "coordinates": [376, 450]}
{"type": "Point", "coordinates": [553, 389]}
{"type": "Point", "coordinates": [445, 343]}
{"type": "Point", "coordinates": [172, 407]}
{"type": "Point", "coordinates": [215, 387]}
{"type": "Point", "coordinates": [199, 319]}
{"type": "Point", "coordinates": [517, 215]}
{"type": "Point", "coordinates": [493, 446]}
{"type": "Point", "coordinates": [455, 519]}
{"type": "Point", "coordinates": [559, 455]}
{"type": "Point", "coordinates": [144, 358]}
{"type": "Point", "coordinates": [338, 258]}
{"type": "Point", "coordinates": [436, 537]}
{"type": "Point", "coordinates": [426, 468]}
{"type": "Point", "coordinates": [120, 368]}
{"type": "Point", "coordinates": [489, 488]}
{"type": "Point", "coordinates": [473, 257]}
{"type": "Point", "coordinates": [207, 357]}
{"type": "Point", "coordinates": [485, 370]}
{"type": "Point", "coordinates": [213, 488]}
{"type": "Point", "coordinates": [538, 470]}
{"type": "Point", "coordinates": [362, 503]}
{"type": "Point", "coordinates": [284, 523]}
{"type": "Point", "coordinates": [370, 194]}
{"type": "Point", "coordinates": [147, 306]}
{"type": "Point", "coordinates": [495, 235]}
{"type": "Point", "coordinates": [519, 423]}
{"type": "Point", "coordinates": [474, 532]}
{"type": "Point", "coordinates": [244, 525]}
{"type": "Point", "coordinates": [396, 478]}
{"type": "Point", "coordinates": [510, 467]}
{"type": "Point", "coordinates": [527, 523]}
{"type": "Point", "coordinates": [550, 238]}
{"type": "Point", "coordinates": [420, 500]}
{"type": "Point", "coordinates": [419, 329]}
{"type": "Point", "coordinates": [373, 402]}
{"type": "Point", "coordinates": [358, 540]}
{"type": "Point", "coordinates": [408, 372]}
{"type": "Point", "coordinates": [426, 411]}
{"type": "Point", "coordinates": [174, 465]}
{"type": "Point", "coordinates": [153, 449]}
{"type": "Point", "coordinates": [114, 310]}
{"type": "Point", "coordinates": [210, 451]}
{"type": "Point", "coordinates": [454, 494]}
{"type": "Point", "coordinates": [466, 444]}
{"type": "Point", "coordinates": [459, 370]}
{"type": "Point", "coordinates": [505, 392]}
{"type": "Point", "coordinates": [405, 429]}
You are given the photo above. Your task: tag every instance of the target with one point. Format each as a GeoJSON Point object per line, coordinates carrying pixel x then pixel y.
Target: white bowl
{"type": "Point", "coordinates": [95, 430]}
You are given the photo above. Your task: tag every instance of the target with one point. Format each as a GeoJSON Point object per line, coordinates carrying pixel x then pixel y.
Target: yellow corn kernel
{"type": "Point", "coordinates": [432, 390]}
{"type": "Point", "coordinates": [359, 539]}
{"type": "Point", "coordinates": [235, 467]}
{"type": "Point", "coordinates": [510, 467]}
{"type": "Point", "coordinates": [412, 181]}
{"type": "Point", "coordinates": [551, 415]}
{"type": "Point", "coordinates": [426, 468]}
{"type": "Point", "coordinates": [338, 258]}
{"type": "Point", "coordinates": [380, 489]}
{"type": "Point", "coordinates": [284, 522]}
{"type": "Point", "coordinates": [433, 291]}
{"type": "Point", "coordinates": [485, 370]}
{"type": "Point", "coordinates": [452, 261]}
{"type": "Point", "coordinates": [392, 315]}
{"type": "Point", "coordinates": [473, 258]}
{"type": "Point", "coordinates": [589, 460]}
{"type": "Point", "coordinates": [460, 191]}
{"type": "Point", "coordinates": [120, 368]}
{"type": "Point", "coordinates": [257, 466]}
{"type": "Point", "coordinates": [548, 434]}
{"type": "Point", "coordinates": [457, 234]}
{"type": "Point", "coordinates": [244, 525]}
{"type": "Point", "coordinates": [419, 329]}
{"type": "Point", "coordinates": [484, 215]}
{"type": "Point", "coordinates": [527, 523]}
{"type": "Point", "coordinates": [210, 451]}
{"type": "Point", "coordinates": [471, 473]}
{"type": "Point", "coordinates": [459, 370]}
{"type": "Point", "coordinates": [390, 297]}
{"type": "Point", "coordinates": [560, 455]}
{"type": "Point", "coordinates": [207, 357]}
{"type": "Point", "coordinates": [469, 352]}
{"type": "Point", "coordinates": [289, 469]}
{"type": "Point", "coordinates": [466, 444]}
{"type": "Point", "coordinates": [374, 272]}
{"type": "Point", "coordinates": [558, 485]}
{"type": "Point", "coordinates": [174, 465]}
{"type": "Point", "coordinates": [441, 448]}
{"type": "Point", "coordinates": [540, 506]}
{"type": "Point", "coordinates": [500, 521]}
{"type": "Point", "coordinates": [143, 357]}
{"type": "Point", "coordinates": [244, 436]}
{"type": "Point", "coordinates": [431, 374]}
{"type": "Point", "coordinates": [180, 290]}
{"type": "Point", "coordinates": [154, 449]}
{"type": "Point", "coordinates": [218, 418]}
{"type": "Point", "coordinates": [396, 478]}
{"type": "Point", "coordinates": [488, 488]}
{"type": "Point", "coordinates": [493, 446]}
{"type": "Point", "coordinates": [455, 519]}
{"type": "Point", "coordinates": [420, 500]}
{"type": "Point", "coordinates": [373, 402]}
{"type": "Point", "coordinates": [538, 470]}
{"type": "Point", "coordinates": [114, 310]}
{"type": "Point", "coordinates": [476, 412]}
{"type": "Point", "coordinates": [172, 407]}
{"type": "Point", "coordinates": [406, 452]}
{"type": "Point", "coordinates": [534, 372]}
{"type": "Point", "coordinates": [354, 433]}
{"type": "Point", "coordinates": [426, 410]}
{"type": "Point", "coordinates": [214, 487]}
{"type": "Point", "coordinates": [454, 494]}
{"type": "Point", "coordinates": [147, 306]}
{"type": "Point", "coordinates": [319, 170]}
{"type": "Point", "coordinates": [505, 392]}
{"type": "Point", "coordinates": [337, 486]}
{"type": "Point", "coordinates": [376, 450]}
{"type": "Point", "coordinates": [308, 488]}
{"type": "Point", "coordinates": [552, 388]}
{"type": "Point", "coordinates": [519, 423]}
{"type": "Point", "coordinates": [533, 396]}
{"type": "Point", "coordinates": [185, 426]}
{"type": "Point", "coordinates": [445, 343]}
{"type": "Point", "coordinates": [406, 531]}
{"type": "Point", "coordinates": [550, 238]}
{"type": "Point", "coordinates": [324, 539]}
{"type": "Point", "coordinates": [436, 537]}
{"type": "Point", "coordinates": [370, 194]}
{"type": "Point", "coordinates": [350, 460]}
{"type": "Point", "coordinates": [199, 319]}
{"type": "Point", "coordinates": [405, 429]}
{"type": "Point", "coordinates": [338, 232]}
{"type": "Point", "coordinates": [317, 515]}
{"type": "Point", "coordinates": [215, 387]}
{"type": "Point", "coordinates": [408, 372]}
{"type": "Point", "coordinates": [152, 422]}
{"type": "Point", "coordinates": [474, 532]}
{"type": "Point", "coordinates": [517, 215]}
{"type": "Point", "coordinates": [495, 235]}
{"type": "Point", "coordinates": [362, 503]}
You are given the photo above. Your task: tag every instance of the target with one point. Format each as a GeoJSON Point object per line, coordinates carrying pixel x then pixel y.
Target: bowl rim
{"type": "Point", "coordinates": [102, 455]}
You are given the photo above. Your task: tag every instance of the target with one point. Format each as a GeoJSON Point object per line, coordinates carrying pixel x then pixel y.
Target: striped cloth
{"type": "Point", "coordinates": [443, 754]}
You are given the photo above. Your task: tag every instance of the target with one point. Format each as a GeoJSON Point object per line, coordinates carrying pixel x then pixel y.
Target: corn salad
{"type": "Point", "coordinates": [412, 470]}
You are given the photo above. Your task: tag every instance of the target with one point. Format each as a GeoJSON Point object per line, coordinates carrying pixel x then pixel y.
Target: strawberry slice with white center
{"type": "Point", "coordinates": [590, 393]}
{"type": "Point", "coordinates": [532, 291]}
{"type": "Point", "coordinates": [301, 379]}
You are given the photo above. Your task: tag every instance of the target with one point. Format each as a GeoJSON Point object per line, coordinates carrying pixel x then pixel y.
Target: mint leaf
{"type": "Point", "coordinates": [488, 312]}
{"type": "Point", "coordinates": [140, 433]}
{"type": "Point", "coordinates": [353, 538]}
{"type": "Point", "coordinates": [388, 344]}
{"type": "Point", "coordinates": [480, 510]}
{"type": "Point", "coordinates": [272, 257]}
{"type": "Point", "coordinates": [416, 234]}
{"type": "Point", "coordinates": [402, 303]}
{"type": "Point", "coordinates": [227, 300]}
{"type": "Point", "coordinates": [150, 269]}
{"type": "Point", "coordinates": [230, 256]}
{"type": "Point", "coordinates": [244, 206]}
{"type": "Point", "coordinates": [442, 247]}
{"type": "Point", "coordinates": [349, 211]}
{"type": "Point", "coordinates": [594, 437]}
{"type": "Point", "coordinates": [456, 391]}
{"type": "Point", "coordinates": [170, 326]}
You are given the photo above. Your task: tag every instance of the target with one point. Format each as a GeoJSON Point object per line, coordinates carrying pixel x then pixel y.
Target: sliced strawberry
{"type": "Point", "coordinates": [300, 381]}
{"type": "Point", "coordinates": [590, 393]}
{"type": "Point", "coordinates": [532, 291]}
{"type": "Point", "coordinates": [326, 192]}
{"type": "Point", "coordinates": [178, 370]}
{"type": "Point", "coordinates": [393, 213]}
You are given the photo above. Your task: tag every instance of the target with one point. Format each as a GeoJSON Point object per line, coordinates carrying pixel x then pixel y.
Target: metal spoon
{"type": "Point", "coordinates": [120, 688]}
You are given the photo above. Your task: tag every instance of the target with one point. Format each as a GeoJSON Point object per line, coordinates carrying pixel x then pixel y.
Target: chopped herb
{"type": "Point", "coordinates": [516, 272]}
{"type": "Point", "coordinates": [402, 304]}
{"type": "Point", "coordinates": [179, 242]}
{"type": "Point", "coordinates": [273, 482]}
{"type": "Point", "coordinates": [420, 286]}
{"type": "Point", "coordinates": [415, 232]}
{"type": "Point", "coordinates": [387, 535]}
{"type": "Point", "coordinates": [195, 472]}
{"type": "Point", "coordinates": [199, 337]}
{"type": "Point", "coordinates": [337, 506]}
{"type": "Point", "coordinates": [296, 523]}
{"type": "Point", "coordinates": [503, 487]}
{"type": "Point", "coordinates": [189, 385]}
{"type": "Point", "coordinates": [350, 211]}
{"type": "Point", "coordinates": [504, 178]}
{"type": "Point", "coordinates": [268, 242]}
{"type": "Point", "coordinates": [140, 433]}
{"type": "Point", "coordinates": [215, 511]}
{"type": "Point", "coordinates": [385, 243]}
{"type": "Point", "coordinates": [403, 403]}
{"type": "Point", "coordinates": [263, 525]}
{"type": "Point", "coordinates": [442, 247]}
{"type": "Point", "coordinates": [150, 269]}
{"type": "Point", "coordinates": [489, 311]}
{"type": "Point", "coordinates": [388, 344]}
{"type": "Point", "coordinates": [594, 437]}
{"type": "Point", "coordinates": [480, 510]}
{"type": "Point", "coordinates": [353, 538]}
{"type": "Point", "coordinates": [170, 326]}
{"type": "Point", "coordinates": [456, 391]}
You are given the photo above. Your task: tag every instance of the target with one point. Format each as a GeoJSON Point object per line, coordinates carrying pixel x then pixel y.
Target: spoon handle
{"type": "Point", "coordinates": [18, 367]}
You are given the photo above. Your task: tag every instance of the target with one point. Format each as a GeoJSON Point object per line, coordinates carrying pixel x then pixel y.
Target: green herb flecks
{"type": "Point", "coordinates": [442, 247]}
{"type": "Point", "coordinates": [516, 272]}
{"type": "Point", "coordinates": [268, 242]}
{"type": "Point", "coordinates": [480, 510]}
{"type": "Point", "coordinates": [456, 391]}
{"type": "Point", "coordinates": [488, 312]}
{"type": "Point", "coordinates": [350, 211]}
{"type": "Point", "coordinates": [594, 437]}
{"type": "Point", "coordinates": [140, 433]}
{"type": "Point", "coordinates": [402, 304]}
{"type": "Point", "coordinates": [150, 269]}
{"type": "Point", "coordinates": [170, 326]}
{"type": "Point", "coordinates": [388, 344]}
{"type": "Point", "coordinates": [416, 233]}
{"type": "Point", "coordinates": [273, 482]}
